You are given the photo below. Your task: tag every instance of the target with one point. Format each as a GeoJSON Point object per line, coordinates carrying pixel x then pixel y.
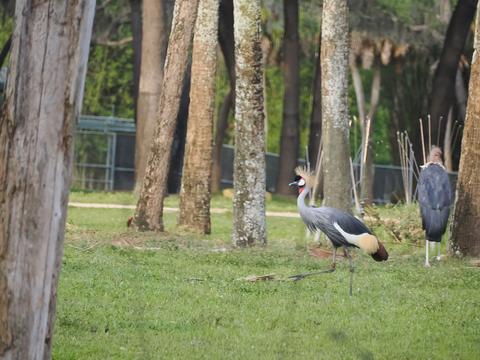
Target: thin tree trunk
{"type": "Point", "coordinates": [154, 47]}
{"type": "Point", "coordinates": [226, 40]}
{"type": "Point", "coordinates": [447, 142]}
{"type": "Point", "coordinates": [337, 185]}
{"type": "Point", "coordinates": [43, 99]}
{"type": "Point", "coordinates": [290, 137]}
{"type": "Point", "coordinates": [249, 224]}
{"type": "Point", "coordinates": [461, 95]}
{"type": "Point", "coordinates": [465, 234]}
{"type": "Point", "coordinates": [221, 129]}
{"type": "Point", "coordinates": [195, 193]}
{"type": "Point", "coordinates": [368, 171]}
{"type": "Point", "coordinates": [149, 211]}
{"type": "Point", "coordinates": [136, 20]}
{"type": "Point", "coordinates": [316, 116]}
{"type": "Point", "coordinates": [443, 93]}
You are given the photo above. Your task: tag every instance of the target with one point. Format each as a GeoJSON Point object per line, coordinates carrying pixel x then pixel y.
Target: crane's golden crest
{"type": "Point", "coordinates": [307, 175]}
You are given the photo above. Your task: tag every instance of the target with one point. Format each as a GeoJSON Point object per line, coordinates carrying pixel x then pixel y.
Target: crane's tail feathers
{"type": "Point", "coordinates": [381, 254]}
{"type": "Point", "coordinates": [373, 247]}
{"type": "Point", "coordinates": [307, 175]}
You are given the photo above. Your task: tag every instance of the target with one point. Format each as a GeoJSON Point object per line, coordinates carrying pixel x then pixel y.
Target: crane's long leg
{"type": "Point", "coordinates": [304, 275]}
{"type": "Point", "coordinates": [438, 251]}
{"type": "Point", "coordinates": [352, 269]}
{"type": "Point", "coordinates": [427, 263]}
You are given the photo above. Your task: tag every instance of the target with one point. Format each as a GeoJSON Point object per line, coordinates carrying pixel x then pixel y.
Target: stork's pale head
{"type": "Point", "coordinates": [299, 183]}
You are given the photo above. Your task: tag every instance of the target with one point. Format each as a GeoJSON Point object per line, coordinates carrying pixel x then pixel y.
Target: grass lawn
{"type": "Point", "coordinates": [129, 295]}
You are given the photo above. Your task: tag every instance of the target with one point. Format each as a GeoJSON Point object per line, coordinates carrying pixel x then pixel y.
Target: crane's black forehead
{"type": "Point", "coordinates": [298, 177]}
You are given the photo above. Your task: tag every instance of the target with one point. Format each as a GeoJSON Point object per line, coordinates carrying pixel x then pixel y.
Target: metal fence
{"type": "Point", "coordinates": [105, 152]}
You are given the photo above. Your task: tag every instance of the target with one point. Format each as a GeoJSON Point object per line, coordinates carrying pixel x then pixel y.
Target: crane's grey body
{"type": "Point", "coordinates": [324, 219]}
{"type": "Point", "coordinates": [435, 199]}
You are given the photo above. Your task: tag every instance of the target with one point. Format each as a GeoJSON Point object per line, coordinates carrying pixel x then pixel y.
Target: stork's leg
{"type": "Point", "coordinates": [438, 251]}
{"type": "Point", "coordinates": [427, 263]}
{"type": "Point", "coordinates": [352, 269]}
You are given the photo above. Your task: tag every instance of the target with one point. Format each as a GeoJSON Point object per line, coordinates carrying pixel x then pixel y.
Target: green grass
{"type": "Point", "coordinates": [128, 295]}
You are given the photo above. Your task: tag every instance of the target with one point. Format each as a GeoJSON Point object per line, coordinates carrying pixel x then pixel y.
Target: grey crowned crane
{"type": "Point", "coordinates": [435, 199]}
{"type": "Point", "coordinates": [343, 229]}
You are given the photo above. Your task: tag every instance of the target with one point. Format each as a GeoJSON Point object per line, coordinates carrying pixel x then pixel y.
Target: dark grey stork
{"type": "Point", "coordinates": [343, 230]}
{"type": "Point", "coordinates": [435, 199]}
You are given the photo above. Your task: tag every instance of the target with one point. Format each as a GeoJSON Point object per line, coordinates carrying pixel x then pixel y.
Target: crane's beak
{"type": "Point", "coordinates": [295, 183]}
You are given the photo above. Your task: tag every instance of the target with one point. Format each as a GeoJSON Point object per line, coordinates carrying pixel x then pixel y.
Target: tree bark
{"type": "Point", "coordinates": [337, 184]}
{"type": "Point", "coordinates": [154, 47]}
{"type": "Point", "coordinates": [465, 235]}
{"type": "Point", "coordinates": [221, 129]}
{"type": "Point", "coordinates": [443, 90]}
{"type": "Point", "coordinates": [249, 225]}
{"type": "Point", "coordinates": [290, 138]}
{"type": "Point", "coordinates": [368, 169]}
{"type": "Point", "coordinates": [195, 193]}
{"type": "Point", "coordinates": [136, 20]}
{"type": "Point", "coordinates": [43, 98]}
{"type": "Point", "coordinates": [226, 40]}
{"type": "Point", "coordinates": [149, 210]}
{"type": "Point", "coordinates": [316, 116]}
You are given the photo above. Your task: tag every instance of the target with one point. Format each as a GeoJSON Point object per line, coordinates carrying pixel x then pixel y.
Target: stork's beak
{"type": "Point", "coordinates": [295, 183]}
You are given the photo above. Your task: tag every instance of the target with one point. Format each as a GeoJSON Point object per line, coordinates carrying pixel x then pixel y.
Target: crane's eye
{"type": "Point", "coordinates": [301, 182]}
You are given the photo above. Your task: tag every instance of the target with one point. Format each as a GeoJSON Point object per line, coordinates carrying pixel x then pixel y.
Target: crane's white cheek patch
{"type": "Point", "coordinates": [365, 241]}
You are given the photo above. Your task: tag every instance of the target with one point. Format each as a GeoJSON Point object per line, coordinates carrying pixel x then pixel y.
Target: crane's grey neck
{"type": "Point", "coordinates": [302, 196]}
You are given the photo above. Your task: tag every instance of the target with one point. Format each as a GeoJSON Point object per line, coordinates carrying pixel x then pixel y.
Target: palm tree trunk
{"type": "Point", "coordinates": [443, 93]}
{"type": "Point", "coordinates": [44, 93]}
{"type": "Point", "coordinates": [154, 47]}
{"type": "Point", "coordinates": [464, 235]}
{"type": "Point", "coordinates": [337, 185]}
{"type": "Point", "coordinates": [249, 225]}
{"type": "Point", "coordinates": [149, 210]}
{"type": "Point", "coordinates": [195, 193]}
{"type": "Point", "coordinates": [290, 137]}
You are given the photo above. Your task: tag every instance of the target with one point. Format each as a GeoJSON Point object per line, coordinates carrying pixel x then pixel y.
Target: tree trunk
{"type": "Point", "coordinates": [249, 225]}
{"type": "Point", "coordinates": [443, 89]}
{"type": "Point", "coordinates": [221, 129]}
{"type": "Point", "coordinates": [337, 186]}
{"type": "Point", "coordinates": [43, 97]}
{"type": "Point", "coordinates": [149, 211]}
{"type": "Point", "coordinates": [195, 193]}
{"type": "Point", "coordinates": [368, 169]}
{"type": "Point", "coordinates": [316, 116]}
{"type": "Point", "coordinates": [154, 47]}
{"type": "Point", "coordinates": [465, 235]}
{"type": "Point", "coordinates": [136, 20]}
{"type": "Point", "coordinates": [290, 138]}
{"type": "Point", "coordinates": [225, 38]}
{"type": "Point", "coordinates": [447, 142]}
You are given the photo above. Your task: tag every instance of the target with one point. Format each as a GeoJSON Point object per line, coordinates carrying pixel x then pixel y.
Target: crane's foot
{"type": "Point", "coordinates": [304, 275]}
{"type": "Point", "coordinates": [427, 264]}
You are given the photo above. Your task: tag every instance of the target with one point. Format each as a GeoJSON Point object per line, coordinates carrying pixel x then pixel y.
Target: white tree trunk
{"type": "Point", "coordinates": [335, 122]}
{"type": "Point", "coordinates": [43, 98]}
{"type": "Point", "coordinates": [249, 165]}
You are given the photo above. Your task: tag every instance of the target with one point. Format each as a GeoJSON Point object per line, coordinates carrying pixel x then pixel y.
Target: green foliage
{"type": "Point", "coordinates": [109, 82]}
{"type": "Point", "coordinates": [130, 295]}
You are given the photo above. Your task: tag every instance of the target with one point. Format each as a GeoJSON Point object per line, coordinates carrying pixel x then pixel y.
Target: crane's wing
{"type": "Point", "coordinates": [434, 189]}
{"type": "Point", "coordinates": [324, 219]}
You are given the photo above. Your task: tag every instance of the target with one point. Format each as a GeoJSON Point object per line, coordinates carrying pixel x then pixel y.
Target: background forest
{"type": "Point", "coordinates": [405, 37]}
